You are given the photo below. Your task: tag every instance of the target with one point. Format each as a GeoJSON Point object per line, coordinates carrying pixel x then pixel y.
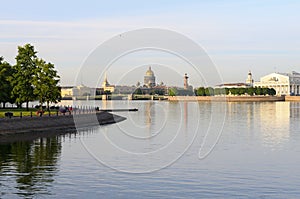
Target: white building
{"type": "Point", "coordinates": [249, 80]}
{"type": "Point", "coordinates": [283, 83]}
{"type": "Point", "coordinates": [83, 90]}
{"type": "Point", "coordinates": [248, 84]}
{"type": "Point", "coordinates": [77, 91]}
{"type": "Point", "coordinates": [107, 86]}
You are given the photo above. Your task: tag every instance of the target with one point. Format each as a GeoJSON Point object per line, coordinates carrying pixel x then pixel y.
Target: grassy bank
{"type": "Point", "coordinates": [18, 112]}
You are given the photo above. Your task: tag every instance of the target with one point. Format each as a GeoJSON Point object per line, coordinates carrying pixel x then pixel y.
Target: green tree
{"type": "Point", "coordinates": [258, 90]}
{"type": "Point", "coordinates": [138, 91]}
{"type": "Point", "coordinates": [25, 70]}
{"type": "Point", "coordinates": [272, 91]}
{"type": "Point", "coordinates": [6, 73]}
{"type": "Point", "coordinates": [45, 83]}
{"type": "Point", "coordinates": [227, 91]}
{"type": "Point", "coordinates": [265, 91]}
{"type": "Point", "coordinates": [173, 92]}
{"type": "Point", "coordinates": [200, 91]}
{"type": "Point", "coordinates": [250, 91]}
{"type": "Point", "coordinates": [209, 91]}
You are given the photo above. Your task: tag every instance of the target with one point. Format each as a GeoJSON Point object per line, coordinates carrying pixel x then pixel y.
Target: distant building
{"type": "Point", "coordinates": [185, 82]}
{"type": "Point", "coordinates": [247, 84]}
{"type": "Point", "coordinates": [66, 91]}
{"type": "Point", "coordinates": [283, 83]}
{"type": "Point", "coordinates": [124, 89]}
{"type": "Point", "coordinates": [149, 78]}
{"type": "Point", "coordinates": [249, 79]}
{"type": "Point", "coordinates": [106, 86]}
{"type": "Point", "coordinates": [83, 90]}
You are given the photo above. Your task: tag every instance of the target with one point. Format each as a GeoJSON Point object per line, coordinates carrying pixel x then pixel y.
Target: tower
{"type": "Point", "coordinates": [105, 82]}
{"type": "Point", "coordinates": [185, 82]}
{"type": "Point", "coordinates": [249, 79]}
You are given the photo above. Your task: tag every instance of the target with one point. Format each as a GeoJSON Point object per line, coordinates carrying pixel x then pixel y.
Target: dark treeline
{"type": "Point", "coordinates": [234, 91]}
{"type": "Point", "coordinates": [31, 78]}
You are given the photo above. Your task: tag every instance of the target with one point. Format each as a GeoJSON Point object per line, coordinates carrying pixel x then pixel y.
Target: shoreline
{"type": "Point", "coordinates": [56, 123]}
{"type": "Point", "coordinates": [234, 98]}
{"type": "Point", "coordinates": [228, 98]}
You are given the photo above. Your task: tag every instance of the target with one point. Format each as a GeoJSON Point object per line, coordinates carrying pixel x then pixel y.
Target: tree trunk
{"type": "Point", "coordinates": [48, 108]}
{"type": "Point", "coordinates": [27, 104]}
{"type": "Point", "coordinates": [3, 106]}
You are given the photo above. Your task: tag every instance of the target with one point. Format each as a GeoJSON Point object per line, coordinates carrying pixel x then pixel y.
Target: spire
{"type": "Point", "coordinates": [105, 77]}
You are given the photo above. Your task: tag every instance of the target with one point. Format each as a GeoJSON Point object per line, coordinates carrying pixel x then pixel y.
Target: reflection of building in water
{"type": "Point", "coordinates": [275, 122]}
{"type": "Point", "coordinates": [148, 114]}
{"type": "Point", "coordinates": [295, 110]}
{"type": "Point", "coordinates": [185, 112]}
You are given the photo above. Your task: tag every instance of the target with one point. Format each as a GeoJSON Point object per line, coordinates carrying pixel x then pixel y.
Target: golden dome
{"type": "Point", "coordinates": [149, 72]}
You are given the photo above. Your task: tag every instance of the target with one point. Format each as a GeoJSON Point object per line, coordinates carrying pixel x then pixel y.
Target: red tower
{"type": "Point", "coordinates": [185, 82]}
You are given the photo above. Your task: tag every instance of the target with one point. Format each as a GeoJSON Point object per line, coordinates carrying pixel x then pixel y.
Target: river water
{"type": "Point", "coordinates": [164, 150]}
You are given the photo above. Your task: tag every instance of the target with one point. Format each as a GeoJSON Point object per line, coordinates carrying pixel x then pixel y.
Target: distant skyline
{"type": "Point", "coordinates": [261, 36]}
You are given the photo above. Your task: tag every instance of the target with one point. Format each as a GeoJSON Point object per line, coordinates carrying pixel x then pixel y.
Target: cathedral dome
{"type": "Point", "coordinates": [149, 72]}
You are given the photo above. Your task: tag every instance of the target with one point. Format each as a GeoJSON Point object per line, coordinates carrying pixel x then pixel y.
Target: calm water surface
{"type": "Point", "coordinates": [155, 154]}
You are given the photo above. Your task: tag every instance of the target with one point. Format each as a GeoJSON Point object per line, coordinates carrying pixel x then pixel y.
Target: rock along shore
{"type": "Point", "coordinates": [56, 123]}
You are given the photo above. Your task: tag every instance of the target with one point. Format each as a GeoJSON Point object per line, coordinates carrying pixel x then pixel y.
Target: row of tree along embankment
{"type": "Point", "coordinates": [56, 123]}
{"type": "Point", "coordinates": [228, 98]}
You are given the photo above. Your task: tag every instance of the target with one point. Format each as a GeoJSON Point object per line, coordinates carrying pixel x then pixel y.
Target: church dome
{"type": "Point", "coordinates": [149, 72]}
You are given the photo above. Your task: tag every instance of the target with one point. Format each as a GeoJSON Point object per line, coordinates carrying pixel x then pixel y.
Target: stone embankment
{"type": "Point", "coordinates": [56, 123]}
{"type": "Point", "coordinates": [228, 98]}
{"type": "Point", "coordinates": [292, 98]}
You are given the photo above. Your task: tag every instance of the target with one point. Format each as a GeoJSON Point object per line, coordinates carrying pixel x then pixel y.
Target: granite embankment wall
{"type": "Point", "coordinates": [292, 98]}
{"type": "Point", "coordinates": [228, 98]}
{"type": "Point", "coordinates": [63, 122]}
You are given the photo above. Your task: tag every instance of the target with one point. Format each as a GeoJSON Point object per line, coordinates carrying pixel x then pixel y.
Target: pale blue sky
{"type": "Point", "coordinates": [260, 35]}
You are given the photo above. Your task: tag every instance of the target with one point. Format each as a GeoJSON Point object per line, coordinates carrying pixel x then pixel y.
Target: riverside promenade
{"type": "Point", "coordinates": [56, 123]}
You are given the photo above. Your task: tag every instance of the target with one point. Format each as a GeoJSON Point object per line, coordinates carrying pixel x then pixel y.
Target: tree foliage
{"type": "Point", "coordinates": [29, 79]}
{"type": "Point", "coordinates": [201, 91]}
{"type": "Point", "coordinates": [25, 71]}
{"type": "Point", "coordinates": [6, 72]}
{"type": "Point", "coordinates": [173, 92]}
{"type": "Point", "coordinates": [45, 83]}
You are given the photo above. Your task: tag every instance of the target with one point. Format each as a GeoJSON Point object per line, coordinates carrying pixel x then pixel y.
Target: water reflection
{"type": "Point", "coordinates": [267, 122]}
{"type": "Point", "coordinates": [274, 123]}
{"type": "Point", "coordinates": [240, 163]}
{"type": "Point", "coordinates": [31, 164]}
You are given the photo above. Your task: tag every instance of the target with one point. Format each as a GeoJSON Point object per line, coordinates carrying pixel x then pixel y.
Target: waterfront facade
{"type": "Point", "coordinates": [106, 86]}
{"type": "Point", "coordinates": [283, 83]}
{"type": "Point", "coordinates": [76, 91]}
{"type": "Point", "coordinates": [66, 91]}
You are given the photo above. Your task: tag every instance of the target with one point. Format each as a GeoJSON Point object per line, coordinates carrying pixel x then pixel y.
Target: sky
{"type": "Point", "coordinates": [238, 36]}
